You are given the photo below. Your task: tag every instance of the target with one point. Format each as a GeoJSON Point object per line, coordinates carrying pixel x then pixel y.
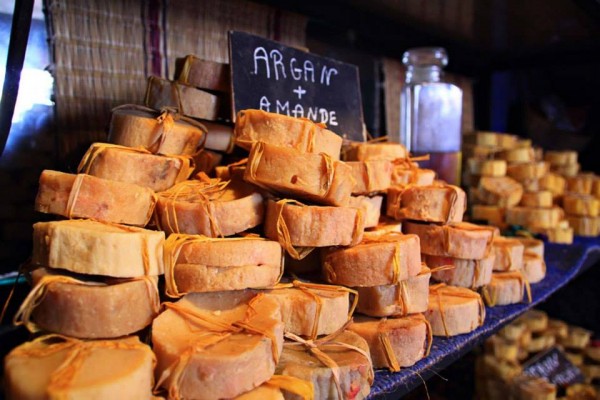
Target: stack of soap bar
{"type": "Point", "coordinates": [506, 288]}
{"type": "Point", "coordinates": [357, 151]}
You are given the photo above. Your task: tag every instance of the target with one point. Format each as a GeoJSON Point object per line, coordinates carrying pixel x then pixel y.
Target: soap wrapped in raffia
{"type": "Point", "coordinates": [434, 203]}
{"type": "Point", "coordinates": [508, 254]}
{"type": "Point", "coordinates": [528, 171]}
{"type": "Point", "coordinates": [395, 343]}
{"type": "Point", "coordinates": [360, 151]}
{"type": "Point", "coordinates": [299, 228]}
{"type": "Point", "coordinates": [186, 99]}
{"type": "Point", "coordinates": [162, 132]}
{"type": "Point", "coordinates": [385, 226]}
{"type": "Point", "coordinates": [499, 191]}
{"type": "Point", "coordinates": [89, 308]}
{"type": "Point", "coordinates": [209, 207]}
{"type": "Point", "coordinates": [506, 288]}
{"type": "Point", "coordinates": [138, 166]}
{"type": "Point", "coordinates": [577, 338]}
{"type": "Point", "coordinates": [493, 215]}
{"type": "Point", "coordinates": [412, 176]}
{"type": "Point", "coordinates": [315, 177]}
{"type": "Point", "coordinates": [464, 273]}
{"type": "Point", "coordinates": [581, 183]}
{"type": "Point", "coordinates": [581, 204]}
{"type": "Point", "coordinates": [370, 206]}
{"type": "Point", "coordinates": [409, 296]}
{"type": "Point", "coordinates": [339, 365]}
{"type": "Point", "coordinates": [584, 226]}
{"type": "Point", "coordinates": [59, 367]}
{"type": "Point", "coordinates": [86, 196]}
{"type": "Point", "coordinates": [518, 155]}
{"type": "Point", "coordinates": [553, 183]}
{"type": "Point", "coordinates": [454, 310]}
{"type": "Point", "coordinates": [534, 267]}
{"type": "Point", "coordinates": [486, 167]}
{"type": "Point", "coordinates": [533, 217]}
{"type": "Point", "coordinates": [197, 263]}
{"type": "Point", "coordinates": [96, 248]}
{"type": "Point", "coordinates": [385, 260]}
{"type": "Point", "coordinates": [206, 161]}
{"type": "Point", "coordinates": [370, 176]}
{"type": "Point", "coordinates": [310, 309]}
{"type": "Point", "coordinates": [535, 246]}
{"type": "Point", "coordinates": [559, 158]}
{"type": "Point", "coordinates": [542, 198]}
{"type": "Point", "coordinates": [217, 345]}
{"type": "Point", "coordinates": [302, 134]}
{"type": "Point", "coordinates": [459, 240]}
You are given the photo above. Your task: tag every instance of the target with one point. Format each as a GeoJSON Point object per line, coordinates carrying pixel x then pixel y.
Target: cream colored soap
{"type": "Point", "coordinates": [95, 248]}
{"type": "Point", "coordinates": [89, 309]}
{"type": "Point", "coordinates": [217, 345]}
{"type": "Point", "coordinates": [401, 175]}
{"type": "Point", "coordinates": [382, 261]}
{"type": "Point", "coordinates": [65, 368]}
{"type": "Point", "coordinates": [253, 126]}
{"type": "Point", "coordinates": [196, 263]}
{"type": "Point", "coordinates": [86, 196]}
{"type": "Point", "coordinates": [499, 191]}
{"type": "Point", "coordinates": [534, 267]}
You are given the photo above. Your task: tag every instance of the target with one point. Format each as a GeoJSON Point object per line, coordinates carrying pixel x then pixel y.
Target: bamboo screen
{"type": "Point", "coordinates": [103, 51]}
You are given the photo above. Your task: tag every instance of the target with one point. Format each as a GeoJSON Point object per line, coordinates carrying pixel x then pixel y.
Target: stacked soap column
{"type": "Point", "coordinates": [427, 212]}
{"type": "Point", "coordinates": [309, 206]}
{"type": "Point", "coordinates": [385, 267]}
{"type": "Point", "coordinates": [100, 267]}
{"type": "Point", "coordinates": [580, 199]}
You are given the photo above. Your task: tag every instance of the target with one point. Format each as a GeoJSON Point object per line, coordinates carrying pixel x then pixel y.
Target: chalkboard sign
{"type": "Point", "coordinates": [269, 76]}
{"type": "Point", "coordinates": [554, 366]}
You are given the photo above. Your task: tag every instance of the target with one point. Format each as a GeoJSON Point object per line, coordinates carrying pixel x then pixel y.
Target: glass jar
{"type": "Point", "coordinates": [430, 113]}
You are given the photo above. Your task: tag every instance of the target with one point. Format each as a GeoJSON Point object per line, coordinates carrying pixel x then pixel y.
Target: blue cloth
{"type": "Point", "coordinates": [563, 263]}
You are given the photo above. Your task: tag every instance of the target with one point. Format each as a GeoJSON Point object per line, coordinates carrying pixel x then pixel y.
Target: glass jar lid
{"type": "Point", "coordinates": [425, 56]}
